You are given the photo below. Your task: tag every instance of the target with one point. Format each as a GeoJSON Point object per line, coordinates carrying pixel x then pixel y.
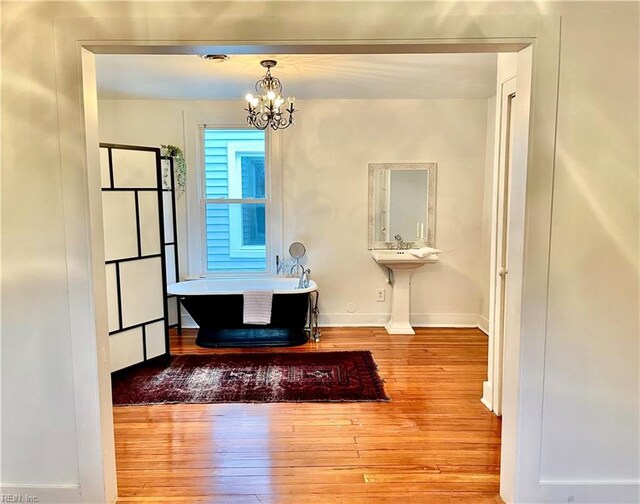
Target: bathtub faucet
{"type": "Point", "coordinates": [304, 279]}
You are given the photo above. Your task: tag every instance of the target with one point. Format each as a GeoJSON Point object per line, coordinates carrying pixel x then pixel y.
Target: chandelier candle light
{"type": "Point", "coordinates": [265, 110]}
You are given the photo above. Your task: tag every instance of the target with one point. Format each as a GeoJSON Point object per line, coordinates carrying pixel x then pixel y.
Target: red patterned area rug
{"type": "Point", "coordinates": [252, 377]}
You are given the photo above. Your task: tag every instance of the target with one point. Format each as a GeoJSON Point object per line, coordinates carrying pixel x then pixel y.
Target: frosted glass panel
{"type": "Point", "coordinates": [173, 310]}
{"type": "Point", "coordinates": [142, 292]}
{"type": "Point", "coordinates": [120, 231]}
{"type": "Point", "coordinates": [168, 217]}
{"type": "Point", "coordinates": [112, 298]}
{"type": "Point", "coordinates": [155, 339]}
{"type": "Point", "coordinates": [133, 168]}
{"type": "Point", "coordinates": [171, 265]}
{"type": "Point", "coordinates": [104, 168]}
{"type": "Point", "coordinates": [126, 348]}
{"type": "Point", "coordinates": [149, 222]}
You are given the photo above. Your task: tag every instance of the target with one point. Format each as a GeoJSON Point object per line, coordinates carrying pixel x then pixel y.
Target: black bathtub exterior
{"type": "Point", "coordinates": [220, 319]}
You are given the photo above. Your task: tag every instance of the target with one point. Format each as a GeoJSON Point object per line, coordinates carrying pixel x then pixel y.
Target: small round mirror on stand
{"type": "Point", "coordinates": [297, 250]}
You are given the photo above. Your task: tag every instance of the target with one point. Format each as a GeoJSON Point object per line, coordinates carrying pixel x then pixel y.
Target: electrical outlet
{"type": "Point", "coordinates": [380, 295]}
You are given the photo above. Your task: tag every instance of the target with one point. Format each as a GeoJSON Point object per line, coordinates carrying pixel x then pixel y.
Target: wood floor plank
{"type": "Point", "coordinates": [433, 443]}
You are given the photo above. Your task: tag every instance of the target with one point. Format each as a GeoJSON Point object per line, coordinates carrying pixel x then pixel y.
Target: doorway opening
{"type": "Point", "coordinates": [233, 118]}
{"type": "Point", "coordinates": [90, 124]}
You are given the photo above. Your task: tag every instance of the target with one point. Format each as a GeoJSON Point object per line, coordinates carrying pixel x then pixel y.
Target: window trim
{"type": "Point", "coordinates": [194, 123]}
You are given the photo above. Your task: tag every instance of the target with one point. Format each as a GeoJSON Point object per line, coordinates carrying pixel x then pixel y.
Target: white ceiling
{"type": "Point", "coordinates": [367, 76]}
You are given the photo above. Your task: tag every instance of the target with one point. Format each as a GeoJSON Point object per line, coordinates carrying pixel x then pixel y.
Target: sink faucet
{"type": "Point", "coordinates": [399, 241]}
{"type": "Point", "coordinates": [304, 279]}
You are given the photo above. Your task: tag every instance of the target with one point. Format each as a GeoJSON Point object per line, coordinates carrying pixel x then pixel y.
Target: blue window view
{"type": "Point", "coordinates": [253, 217]}
{"type": "Point", "coordinates": [235, 200]}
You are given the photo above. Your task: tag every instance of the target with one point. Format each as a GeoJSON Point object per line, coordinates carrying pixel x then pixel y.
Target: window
{"type": "Point", "coordinates": [234, 200]}
{"type": "Point", "coordinates": [233, 196]}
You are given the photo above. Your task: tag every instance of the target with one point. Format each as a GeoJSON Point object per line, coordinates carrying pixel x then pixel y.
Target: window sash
{"type": "Point", "coordinates": [195, 122]}
{"type": "Point", "coordinates": [237, 250]}
{"type": "Point", "coordinates": [229, 201]}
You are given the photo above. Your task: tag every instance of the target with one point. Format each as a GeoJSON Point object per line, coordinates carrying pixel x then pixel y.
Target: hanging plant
{"type": "Point", "coordinates": [180, 166]}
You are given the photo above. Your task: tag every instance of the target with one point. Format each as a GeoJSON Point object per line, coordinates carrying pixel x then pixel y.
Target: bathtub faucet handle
{"type": "Point", "coordinates": [304, 279]}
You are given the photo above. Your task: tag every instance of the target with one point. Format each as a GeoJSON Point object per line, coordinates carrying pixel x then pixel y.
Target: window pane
{"type": "Point", "coordinates": [235, 237]}
{"type": "Point", "coordinates": [252, 176]}
{"type": "Point", "coordinates": [253, 225]}
{"type": "Point", "coordinates": [234, 163]}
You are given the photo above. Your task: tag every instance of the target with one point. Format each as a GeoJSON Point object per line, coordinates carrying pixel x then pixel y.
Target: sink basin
{"type": "Point", "coordinates": [402, 263]}
{"type": "Point", "coordinates": [401, 259]}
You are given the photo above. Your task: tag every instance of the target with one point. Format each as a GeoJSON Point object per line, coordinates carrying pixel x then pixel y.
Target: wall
{"type": "Point", "coordinates": [591, 377]}
{"type": "Point", "coordinates": [592, 360]}
{"type": "Point", "coordinates": [325, 179]}
{"type": "Point", "coordinates": [333, 185]}
{"type": "Point", "coordinates": [38, 420]}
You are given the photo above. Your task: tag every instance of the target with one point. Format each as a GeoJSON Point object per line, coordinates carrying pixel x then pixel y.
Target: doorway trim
{"type": "Point", "coordinates": [505, 89]}
{"type": "Point", "coordinates": [236, 29]}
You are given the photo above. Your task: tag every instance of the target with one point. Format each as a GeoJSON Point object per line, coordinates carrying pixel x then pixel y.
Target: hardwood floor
{"type": "Point", "coordinates": [433, 443]}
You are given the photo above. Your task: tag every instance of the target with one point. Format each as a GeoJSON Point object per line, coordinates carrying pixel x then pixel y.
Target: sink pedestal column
{"type": "Point", "coordinates": [399, 322]}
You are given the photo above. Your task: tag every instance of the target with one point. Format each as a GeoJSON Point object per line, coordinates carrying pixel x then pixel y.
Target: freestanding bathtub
{"type": "Point", "coordinates": [216, 305]}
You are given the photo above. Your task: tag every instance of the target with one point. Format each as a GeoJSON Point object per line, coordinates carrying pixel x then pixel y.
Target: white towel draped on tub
{"type": "Point", "coordinates": [257, 307]}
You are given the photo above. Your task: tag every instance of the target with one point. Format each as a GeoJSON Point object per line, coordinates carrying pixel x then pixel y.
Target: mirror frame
{"type": "Point", "coordinates": [431, 203]}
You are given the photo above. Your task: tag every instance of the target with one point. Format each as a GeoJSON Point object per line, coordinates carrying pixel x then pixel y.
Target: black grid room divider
{"type": "Point", "coordinates": [171, 240]}
{"type": "Point", "coordinates": [140, 242]}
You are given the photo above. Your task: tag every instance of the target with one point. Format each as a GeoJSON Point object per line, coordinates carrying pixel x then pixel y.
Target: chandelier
{"type": "Point", "coordinates": [266, 109]}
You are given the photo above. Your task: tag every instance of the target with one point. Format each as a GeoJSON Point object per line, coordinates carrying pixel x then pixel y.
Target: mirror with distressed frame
{"type": "Point", "coordinates": [402, 202]}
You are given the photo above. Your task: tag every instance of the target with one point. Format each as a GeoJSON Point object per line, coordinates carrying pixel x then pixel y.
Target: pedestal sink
{"type": "Point", "coordinates": [402, 263]}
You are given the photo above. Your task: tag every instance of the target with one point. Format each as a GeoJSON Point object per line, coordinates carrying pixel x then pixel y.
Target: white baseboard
{"type": "Point", "coordinates": [64, 494]}
{"type": "Point", "coordinates": [483, 324]}
{"type": "Point", "coordinates": [487, 395]}
{"type": "Point", "coordinates": [353, 319]}
{"type": "Point", "coordinates": [380, 319]}
{"type": "Point", "coordinates": [444, 319]}
{"type": "Point", "coordinates": [601, 492]}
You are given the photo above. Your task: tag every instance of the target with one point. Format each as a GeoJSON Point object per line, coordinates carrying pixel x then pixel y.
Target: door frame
{"type": "Point", "coordinates": [502, 255]}
{"type": "Point", "coordinates": [239, 28]}
{"type": "Point", "coordinates": [492, 388]}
